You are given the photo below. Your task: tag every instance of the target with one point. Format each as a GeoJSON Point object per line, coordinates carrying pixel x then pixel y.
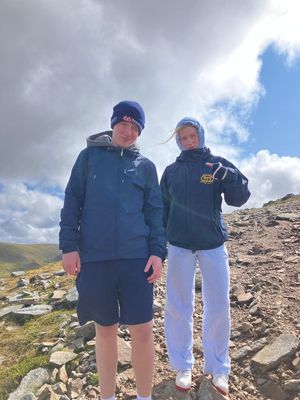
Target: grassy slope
{"type": "Point", "coordinates": [19, 343]}
{"type": "Point", "coordinates": [25, 256]}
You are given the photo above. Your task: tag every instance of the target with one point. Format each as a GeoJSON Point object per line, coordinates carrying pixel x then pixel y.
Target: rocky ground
{"type": "Point", "coordinates": [265, 297]}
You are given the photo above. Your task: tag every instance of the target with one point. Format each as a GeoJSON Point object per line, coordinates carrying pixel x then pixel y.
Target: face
{"type": "Point", "coordinates": [124, 134]}
{"type": "Point", "coordinates": [189, 138]}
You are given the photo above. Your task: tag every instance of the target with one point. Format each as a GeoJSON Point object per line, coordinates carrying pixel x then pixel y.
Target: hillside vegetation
{"type": "Point", "coordinates": [26, 256]}
{"type": "Point", "coordinates": [19, 345]}
{"type": "Point", "coordinates": [40, 336]}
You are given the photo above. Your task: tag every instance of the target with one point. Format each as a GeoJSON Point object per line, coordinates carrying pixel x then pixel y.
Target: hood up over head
{"type": "Point", "coordinates": [188, 121]}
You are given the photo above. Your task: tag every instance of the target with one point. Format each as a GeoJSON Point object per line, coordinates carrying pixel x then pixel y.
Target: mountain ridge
{"type": "Point", "coordinates": [26, 256]}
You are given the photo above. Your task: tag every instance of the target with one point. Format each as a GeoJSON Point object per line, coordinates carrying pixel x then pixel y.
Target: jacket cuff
{"type": "Point", "coordinates": [69, 249]}
{"type": "Point", "coordinates": [159, 253]}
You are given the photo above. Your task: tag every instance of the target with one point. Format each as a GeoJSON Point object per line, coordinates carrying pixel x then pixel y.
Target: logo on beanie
{"type": "Point", "coordinates": [207, 179]}
{"type": "Point", "coordinates": [126, 118]}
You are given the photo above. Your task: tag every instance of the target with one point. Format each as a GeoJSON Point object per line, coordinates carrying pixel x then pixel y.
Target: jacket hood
{"type": "Point", "coordinates": [196, 124]}
{"type": "Point", "coordinates": [104, 139]}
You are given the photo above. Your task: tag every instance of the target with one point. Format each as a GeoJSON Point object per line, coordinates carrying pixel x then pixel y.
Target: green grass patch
{"type": "Point", "coordinates": [20, 349]}
{"type": "Point", "coordinates": [14, 374]}
{"type": "Point", "coordinates": [94, 380]}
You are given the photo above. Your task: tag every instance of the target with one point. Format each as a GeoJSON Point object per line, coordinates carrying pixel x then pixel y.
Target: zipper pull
{"type": "Point", "coordinates": [122, 152]}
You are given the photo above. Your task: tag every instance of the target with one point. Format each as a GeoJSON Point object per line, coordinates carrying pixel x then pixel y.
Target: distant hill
{"type": "Point", "coordinates": [26, 256]}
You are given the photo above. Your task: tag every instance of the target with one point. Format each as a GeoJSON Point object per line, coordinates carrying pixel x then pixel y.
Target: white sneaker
{"type": "Point", "coordinates": [183, 380]}
{"type": "Point", "coordinates": [220, 381]}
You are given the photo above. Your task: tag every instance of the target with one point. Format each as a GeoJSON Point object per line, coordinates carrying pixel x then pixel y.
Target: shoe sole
{"type": "Point", "coordinates": [181, 389]}
{"type": "Point", "coordinates": [220, 390]}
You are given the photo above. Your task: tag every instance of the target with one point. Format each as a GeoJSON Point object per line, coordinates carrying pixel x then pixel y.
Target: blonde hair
{"type": "Point", "coordinates": [176, 131]}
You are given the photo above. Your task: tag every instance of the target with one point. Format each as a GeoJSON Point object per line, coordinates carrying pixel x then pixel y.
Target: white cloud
{"type": "Point", "coordinates": [65, 64]}
{"type": "Point", "coordinates": [271, 177]}
{"type": "Point", "coordinates": [285, 28]}
{"type": "Point", "coordinates": [28, 215]}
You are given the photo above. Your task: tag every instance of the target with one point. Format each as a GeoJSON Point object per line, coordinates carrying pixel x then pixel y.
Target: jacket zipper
{"type": "Point", "coordinates": [120, 180]}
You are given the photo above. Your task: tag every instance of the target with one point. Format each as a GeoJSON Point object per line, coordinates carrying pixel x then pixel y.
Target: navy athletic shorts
{"type": "Point", "coordinates": [114, 291]}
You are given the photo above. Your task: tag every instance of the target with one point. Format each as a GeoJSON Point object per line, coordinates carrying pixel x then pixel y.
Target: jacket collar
{"type": "Point", "coordinates": [194, 155]}
{"type": "Point", "coordinates": [103, 139]}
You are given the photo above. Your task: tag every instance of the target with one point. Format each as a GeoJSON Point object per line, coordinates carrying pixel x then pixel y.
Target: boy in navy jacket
{"type": "Point", "coordinates": [113, 240]}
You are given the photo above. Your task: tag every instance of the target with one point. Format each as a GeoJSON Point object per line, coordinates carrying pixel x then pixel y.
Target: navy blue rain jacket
{"type": "Point", "coordinates": [192, 199]}
{"type": "Point", "coordinates": [113, 206]}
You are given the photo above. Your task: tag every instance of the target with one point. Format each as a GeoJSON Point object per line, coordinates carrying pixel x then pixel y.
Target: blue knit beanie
{"type": "Point", "coordinates": [128, 111]}
{"type": "Point", "coordinates": [188, 121]}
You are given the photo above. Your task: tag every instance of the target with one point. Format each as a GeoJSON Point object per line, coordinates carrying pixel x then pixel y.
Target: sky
{"type": "Point", "coordinates": [234, 65]}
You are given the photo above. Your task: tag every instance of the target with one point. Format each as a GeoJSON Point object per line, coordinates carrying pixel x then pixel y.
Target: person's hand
{"type": "Point", "coordinates": [156, 263]}
{"type": "Point", "coordinates": [71, 262]}
{"type": "Point", "coordinates": [218, 170]}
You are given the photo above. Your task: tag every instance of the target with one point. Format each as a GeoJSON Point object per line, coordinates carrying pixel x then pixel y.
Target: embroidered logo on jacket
{"type": "Point", "coordinates": [207, 179]}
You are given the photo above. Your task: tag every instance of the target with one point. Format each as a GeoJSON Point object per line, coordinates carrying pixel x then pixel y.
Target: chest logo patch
{"type": "Point", "coordinates": [206, 179]}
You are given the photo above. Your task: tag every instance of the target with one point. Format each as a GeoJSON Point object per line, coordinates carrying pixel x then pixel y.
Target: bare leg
{"type": "Point", "coordinates": [107, 358]}
{"type": "Point", "coordinates": [143, 356]}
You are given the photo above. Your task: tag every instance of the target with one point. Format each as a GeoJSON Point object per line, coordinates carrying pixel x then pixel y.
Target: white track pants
{"type": "Point", "coordinates": [179, 308]}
